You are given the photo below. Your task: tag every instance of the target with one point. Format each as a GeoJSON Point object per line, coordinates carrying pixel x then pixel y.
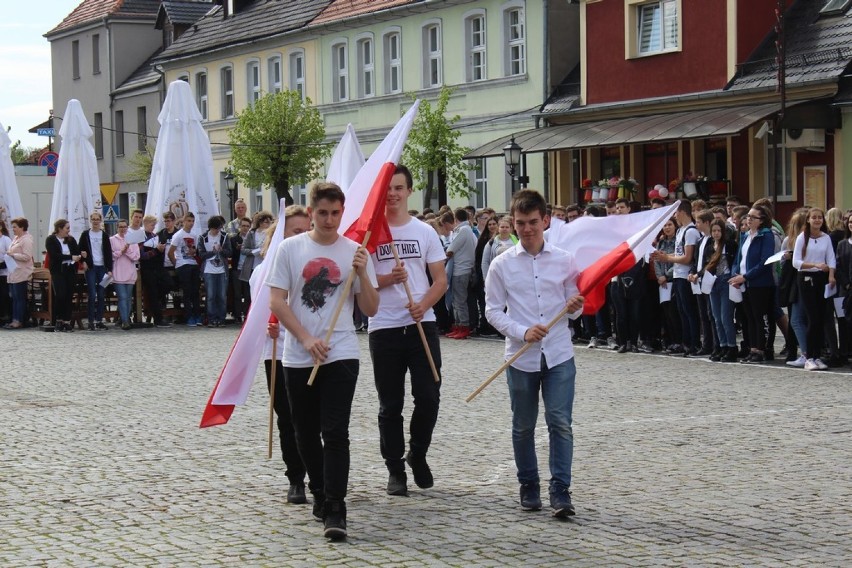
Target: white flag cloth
{"type": "Point", "coordinates": [182, 178]}
{"type": "Point", "coordinates": [346, 161]}
{"type": "Point", "coordinates": [590, 238]}
{"type": "Point", "coordinates": [76, 189]}
{"type": "Point", "coordinates": [10, 199]}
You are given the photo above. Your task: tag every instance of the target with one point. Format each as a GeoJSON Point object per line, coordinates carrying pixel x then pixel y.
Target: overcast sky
{"type": "Point", "coordinates": [25, 91]}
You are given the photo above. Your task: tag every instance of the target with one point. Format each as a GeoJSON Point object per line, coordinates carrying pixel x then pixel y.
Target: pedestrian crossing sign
{"type": "Point", "coordinates": [110, 213]}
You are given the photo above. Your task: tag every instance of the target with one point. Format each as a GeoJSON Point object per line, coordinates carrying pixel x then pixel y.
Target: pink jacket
{"type": "Point", "coordinates": [21, 250]}
{"type": "Point", "coordinates": [123, 261]}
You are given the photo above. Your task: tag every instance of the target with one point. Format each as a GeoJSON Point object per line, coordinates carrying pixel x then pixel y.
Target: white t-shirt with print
{"type": "Point", "coordinates": [96, 238]}
{"type": "Point", "coordinates": [417, 245]}
{"type": "Point", "coordinates": [182, 240]}
{"type": "Point", "coordinates": [214, 264]}
{"type": "Point", "coordinates": [314, 276]}
{"type": "Point", "coordinates": [685, 236]}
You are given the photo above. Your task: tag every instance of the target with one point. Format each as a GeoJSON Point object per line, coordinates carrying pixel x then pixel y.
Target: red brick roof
{"type": "Point", "coordinates": [343, 9]}
{"type": "Point", "coordinates": [92, 10]}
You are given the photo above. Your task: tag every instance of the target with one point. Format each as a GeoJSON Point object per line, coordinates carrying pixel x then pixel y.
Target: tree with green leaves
{"type": "Point", "coordinates": [434, 155]}
{"type": "Point", "coordinates": [278, 142]}
{"type": "Point", "coordinates": [23, 155]}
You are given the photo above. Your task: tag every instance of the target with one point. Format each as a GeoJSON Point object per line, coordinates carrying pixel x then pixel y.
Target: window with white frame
{"type": "Point", "coordinates": [432, 56]}
{"type": "Point", "coordinates": [479, 182]}
{"type": "Point", "coordinates": [515, 49]}
{"type": "Point", "coordinates": [366, 68]}
{"type": "Point", "coordinates": [340, 70]}
{"type": "Point", "coordinates": [258, 199]}
{"type": "Point", "coordinates": [201, 93]}
{"type": "Point", "coordinates": [75, 59]}
{"type": "Point", "coordinates": [783, 169]}
{"type": "Point", "coordinates": [274, 74]}
{"type": "Point", "coordinates": [227, 78]}
{"type": "Point", "coordinates": [475, 46]}
{"type": "Point", "coordinates": [393, 63]}
{"type": "Point", "coordinates": [297, 72]}
{"type": "Point", "coordinates": [657, 26]}
{"type": "Point", "coordinates": [253, 78]}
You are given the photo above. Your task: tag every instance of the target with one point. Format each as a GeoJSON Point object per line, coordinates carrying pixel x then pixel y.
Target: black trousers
{"type": "Point", "coordinates": [812, 291]}
{"type": "Point", "coordinates": [393, 352]}
{"type": "Point", "coordinates": [190, 282]}
{"type": "Point", "coordinates": [295, 471]}
{"type": "Point", "coordinates": [321, 421]}
{"type": "Point", "coordinates": [64, 279]}
{"type": "Point", "coordinates": [155, 285]}
{"type": "Point", "coordinates": [759, 305]}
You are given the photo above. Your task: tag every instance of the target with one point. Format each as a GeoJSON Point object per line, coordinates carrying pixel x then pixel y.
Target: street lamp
{"type": "Point", "coordinates": [231, 188]}
{"type": "Point", "coordinates": [512, 154]}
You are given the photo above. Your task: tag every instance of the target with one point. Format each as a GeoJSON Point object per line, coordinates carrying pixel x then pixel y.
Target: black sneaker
{"type": "Point", "coordinates": [91, 326]}
{"type": "Point", "coordinates": [335, 520]}
{"type": "Point", "coordinates": [296, 494]}
{"type": "Point", "coordinates": [560, 502]}
{"type": "Point", "coordinates": [319, 504]}
{"type": "Point", "coordinates": [100, 326]}
{"type": "Point", "coordinates": [163, 324]}
{"type": "Point", "coordinates": [530, 497]}
{"type": "Point", "coordinates": [422, 474]}
{"type": "Point", "coordinates": [398, 484]}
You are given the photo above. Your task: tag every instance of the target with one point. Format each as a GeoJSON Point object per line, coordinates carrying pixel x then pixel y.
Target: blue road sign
{"type": "Point", "coordinates": [46, 132]}
{"type": "Point", "coordinates": [111, 213]}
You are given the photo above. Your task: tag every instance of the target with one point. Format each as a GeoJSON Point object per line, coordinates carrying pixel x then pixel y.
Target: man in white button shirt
{"type": "Point", "coordinates": [533, 282]}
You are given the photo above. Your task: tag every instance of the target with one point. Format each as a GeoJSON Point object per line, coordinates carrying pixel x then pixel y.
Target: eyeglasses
{"type": "Point", "coordinates": [754, 217]}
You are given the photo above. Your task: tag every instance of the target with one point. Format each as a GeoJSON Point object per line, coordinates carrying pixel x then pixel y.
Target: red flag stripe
{"type": "Point", "coordinates": [372, 217]}
{"type": "Point", "coordinates": [593, 280]}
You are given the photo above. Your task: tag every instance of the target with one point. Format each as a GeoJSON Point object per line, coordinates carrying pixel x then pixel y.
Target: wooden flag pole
{"type": "Point", "coordinates": [514, 358]}
{"type": "Point", "coordinates": [339, 309]}
{"type": "Point", "coordinates": [272, 395]}
{"type": "Point", "coordinates": [419, 326]}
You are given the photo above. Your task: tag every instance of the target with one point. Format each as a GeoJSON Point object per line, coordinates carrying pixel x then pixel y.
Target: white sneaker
{"type": "Point", "coordinates": [593, 343]}
{"type": "Point", "coordinates": [611, 343]}
{"type": "Point", "coordinates": [798, 363]}
{"type": "Point", "coordinates": [810, 365]}
{"type": "Point", "coordinates": [820, 364]}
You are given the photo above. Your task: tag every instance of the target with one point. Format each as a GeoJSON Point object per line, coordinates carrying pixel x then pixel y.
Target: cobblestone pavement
{"type": "Point", "coordinates": [677, 463]}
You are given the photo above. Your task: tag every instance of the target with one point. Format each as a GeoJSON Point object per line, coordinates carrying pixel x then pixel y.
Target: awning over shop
{"type": "Point", "coordinates": [634, 130]}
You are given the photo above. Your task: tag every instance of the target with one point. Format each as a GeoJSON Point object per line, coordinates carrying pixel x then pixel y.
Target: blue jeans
{"type": "Point", "coordinates": [723, 312]}
{"type": "Point", "coordinates": [687, 307]}
{"type": "Point", "coordinates": [216, 288]}
{"type": "Point", "coordinates": [557, 391]}
{"type": "Point", "coordinates": [18, 291]}
{"type": "Point", "coordinates": [125, 297]}
{"type": "Point", "coordinates": [94, 275]}
{"type": "Point", "coordinates": [799, 323]}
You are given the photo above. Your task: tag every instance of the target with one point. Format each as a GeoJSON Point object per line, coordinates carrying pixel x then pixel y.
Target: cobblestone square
{"type": "Point", "coordinates": [678, 462]}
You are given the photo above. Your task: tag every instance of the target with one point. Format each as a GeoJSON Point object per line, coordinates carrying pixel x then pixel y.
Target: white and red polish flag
{"type": "Point", "coordinates": [605, 247]}
{"type": "Point", "coordinates": [235, 381]}
{"type": "Point", "coordinates": [365, 199]}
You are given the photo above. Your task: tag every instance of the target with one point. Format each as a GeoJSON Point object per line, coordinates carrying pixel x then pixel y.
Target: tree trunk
{"type": "Point", "coordinates": [282, 190]}
{"type": "Point", "coordinates": [442, 187]}
{"type": "Point", "coordinates": [427, 192]}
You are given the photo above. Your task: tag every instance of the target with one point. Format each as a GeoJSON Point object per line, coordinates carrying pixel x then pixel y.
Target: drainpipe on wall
{"type": "Point", "coordinates": [546, 94]}
{"type": "Point", "coordinates": [111, 120]}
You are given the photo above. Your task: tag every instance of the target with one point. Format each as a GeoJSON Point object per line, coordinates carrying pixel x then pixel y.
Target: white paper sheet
{"type": "Point", "coordinates": [666, 293]}
{"type": "Point", "coordinates": [776, 257]}
{"type": "Point", "coordinates": [736, 294]}
{"type": "Point", "coordinates": [106, 280]}
{"type": "Point", "coordinates": [11, 265]}
{"type": "Point", "coordinates": [152, 242]}
{"type": "Point", "coordinates": [134, 237]}
{"type": "Point", "coordinates": [830, 290]}
{"type": "Point", "coordinates": [838, 307]}
{"type": "Point", "coordinates": [696, 288]}
{"type": "Point", "coordinates": [707, 282]}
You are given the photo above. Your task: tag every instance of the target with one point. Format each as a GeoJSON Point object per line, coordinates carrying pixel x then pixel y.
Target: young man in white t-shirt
{"type": "Point", "coordinates": [307, 277]}
{"type": "Point", "coordinates": [182, 251]}
{"type": "Point", "coordinates": [395, 343]}
{"type": "Point", "coordinates": [686, 239]}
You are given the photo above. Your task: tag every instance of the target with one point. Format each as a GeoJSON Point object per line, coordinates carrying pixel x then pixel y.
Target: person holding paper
{"type": "Point", "coordinates": [709, 344]}
{"type": "Point", "coordinates": [306, 281]}
{"type": "Point", "coordinates": [534, 282]}
{"type": "Point", "coordinates": [5, 298]}
{"type": "Point", "coordinates": [97, 256]}
{"type": "Point", "coordinates": [813, 257]}
{"type": "Point", "coordinates": [182, 253]}
{"type": "Point", "coordinates": [664, 271]}
{"type": "Point", "coordinates": [721, 254]}
{"type": "Point", "coordinates": [155, 279]}
{"type": "Point", "coordinates": [21, 252]}
{"type": "Point", "coordinates": [750, 269]}
{"type": "Point", "coordinates": [214, 249]}
{"type": "Point", "coordinates": [124, 258]}
{"type": "Point", "coordinates": [64, 253]}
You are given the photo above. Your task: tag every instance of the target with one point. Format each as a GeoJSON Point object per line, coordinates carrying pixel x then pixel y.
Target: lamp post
{"type": "Point", "coordinates": [512, 156]}
{"type": "Point", "coordinates": [231, 188]}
